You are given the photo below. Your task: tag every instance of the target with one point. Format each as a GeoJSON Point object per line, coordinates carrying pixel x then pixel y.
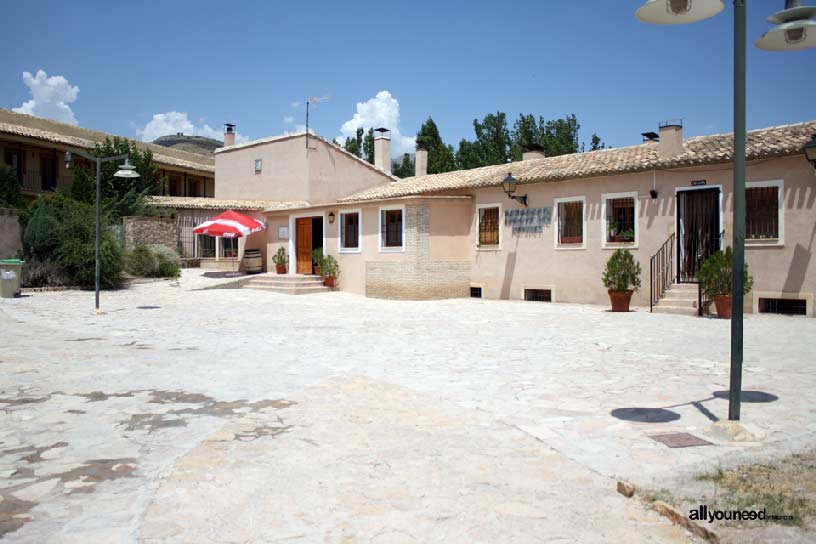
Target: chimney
{"type": "Point", "coordinates": [533, 151]}
{"type": "Point", "coordinates": [382, 149]}
{"type": "Point", "coordinates": [229, 135]}
{"type": "Point", "coordinates": [671, 138]}
{"type": "Point", "coordinates": [421, 162]}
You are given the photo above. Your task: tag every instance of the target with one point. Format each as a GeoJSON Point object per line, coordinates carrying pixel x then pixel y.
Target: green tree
{"type": "Point", "coordinates": [122, 197]}
{"type": "Point", "coordinates": [468, 156]}
{"type": "Point", "coordinates": [404, 169]}
{"type": "Point", "coordinates": [368, 146]}
{"type": "Point", "coordinates": [596, 143]}
{"type": "Point", "coordinates": [355, 145]}
{"type": "Point", "coordinates": [83, 186]}
{"type": "Point", "coordinates": [526, 132]}
{"type": "Point", "coordinates": [441, 157]}
{"type": "Point", "coordinates": [559, 136]}
{"type": "Point", "coordinates": [10, 196]}
{"type": "Point", "coordinates": [493, 138]}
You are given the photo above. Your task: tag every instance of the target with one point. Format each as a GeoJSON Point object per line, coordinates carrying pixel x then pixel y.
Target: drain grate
{"type": "Point", "coordinates": [680, 440]}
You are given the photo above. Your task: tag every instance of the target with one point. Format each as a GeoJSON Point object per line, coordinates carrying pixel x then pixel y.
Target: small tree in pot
{"type": "Point", "coordinates": [281, 260]}
{"type": "Point", "coordinates": [330, 269]}
{"type": "Point", "coordinates": [621, 277]}
{"type": "Point", "coordinates": [715, 277]}
{"type": "Point", "coordinates": [317, 260]}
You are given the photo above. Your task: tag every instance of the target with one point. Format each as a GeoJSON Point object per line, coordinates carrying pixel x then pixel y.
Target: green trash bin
{"type": "Point", "coordinates": [11, 275]}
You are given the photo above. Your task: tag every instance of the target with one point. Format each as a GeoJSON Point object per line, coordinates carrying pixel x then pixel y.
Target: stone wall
{"type": "Point", "coordinates": [417, 277]}
{"type": "Point", "coordinates": [10, 234]}
{"type": "Point", "coordinates": [139, 231]}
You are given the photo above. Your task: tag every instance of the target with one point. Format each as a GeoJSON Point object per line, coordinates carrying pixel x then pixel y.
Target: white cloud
{"type": "Point", "coordinates": [50, 97]}
{"type": "Point", "coordinates": [380, 111]}
{"type": "Point", "coordinates": [173, 122]}
{"type": "Point", "coordinates": [295, 104]}
{"type": "Point", "coordinates": [288, 119]}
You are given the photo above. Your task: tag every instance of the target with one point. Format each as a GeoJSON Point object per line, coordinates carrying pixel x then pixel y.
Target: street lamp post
{"type": "Point", "coordinates": [126, 171]}
{"type": "Point", "coordinates": [794, 31]}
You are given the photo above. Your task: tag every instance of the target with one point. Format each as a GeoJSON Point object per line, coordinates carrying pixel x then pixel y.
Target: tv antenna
{"type": "Point", "coordinates": [314, 100]}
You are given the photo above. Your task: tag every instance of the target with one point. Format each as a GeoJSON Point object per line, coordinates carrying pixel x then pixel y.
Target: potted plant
{"type": "Point", "coordinates": [715, 281]}
{"type": "Point", "coordinates": [330, 269]}
{"type": "Point", "coordinates": [281, 260]}
{"type": "Point", "coordinates": [621, 277]}
{"type": "Point", "coordinates": [317, 260]}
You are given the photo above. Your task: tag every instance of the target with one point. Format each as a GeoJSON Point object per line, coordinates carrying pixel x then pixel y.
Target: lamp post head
{"type": "Point", "coordinates": [509, 184]}
{"type": "Point", "coordinates": [127, 171]}
{"type": "Point", "coordinates": [810, 151]}
{"type": "Point", "coordinates": [676, 12]}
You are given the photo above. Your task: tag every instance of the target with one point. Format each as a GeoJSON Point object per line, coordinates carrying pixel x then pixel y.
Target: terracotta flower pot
{"type": "Point", "coordinates": [329, 281]}
{"type": "Point", "coordinates": [723, 305]}
{"type": "Point", "coordinates": [316, 270]}
{"type": "Point", "coordinates": [280, 268]}
{"type": "Point", "coordinates": [620, 300]}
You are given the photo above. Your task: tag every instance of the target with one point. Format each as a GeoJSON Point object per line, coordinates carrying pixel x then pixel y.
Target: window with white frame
{"type": "Point", "coordinates": [258, 166]}
{"type": "Point", "coordinates": [619, 212]}
{"type": "Point", "coordinates": [570, 222]}
{"type": "Point", "coordinates": [350, 231]}
{"type": "Point", "coordinates": [763, 210]}
{"type": "Point", "coordinates": [489, 225]}
{"type": "Point", "coordinates": [392, 228]}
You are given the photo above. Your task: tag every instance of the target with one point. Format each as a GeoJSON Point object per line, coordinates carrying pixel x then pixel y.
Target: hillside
{"type": "Point", "coordinates": [192, 144]}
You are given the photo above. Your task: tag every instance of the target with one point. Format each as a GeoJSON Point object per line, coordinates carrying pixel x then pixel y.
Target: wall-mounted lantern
{"type": "Point", "coordinates": [331, 217]}
{"type": "Point", "coordinates": [653, 194]}
{"type": "Point", "coordinates": [810, 151]}
{"type": "Point", "coordinates": [509, 185]}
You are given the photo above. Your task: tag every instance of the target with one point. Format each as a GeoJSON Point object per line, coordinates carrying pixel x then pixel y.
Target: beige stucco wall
{"type": "Point", "coordinates": [574, 275]}
{"type": "Point", "coordinates": [10, 234]}
{"type": "Point", "coordinates": [287, 174]}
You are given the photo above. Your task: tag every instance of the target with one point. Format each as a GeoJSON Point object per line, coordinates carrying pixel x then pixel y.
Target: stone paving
{"type": "Point", "coordinates": [185, 414]}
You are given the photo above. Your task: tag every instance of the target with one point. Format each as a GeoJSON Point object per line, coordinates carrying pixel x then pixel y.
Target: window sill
{"type": "Point", "coordinates": [765, 242]}
{"type": "Point", "coordinates": [350, 250]}
{"type": "Point", "coordinates": [392, 249]}
{"type": "Point", "coordinates": [488, 248]}
{"type": "Point", "coordinates": [619, 245]}
{"type": "Point", "coordinates": [569, 247]}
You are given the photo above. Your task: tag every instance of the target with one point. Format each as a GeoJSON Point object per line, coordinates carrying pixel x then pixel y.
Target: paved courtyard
{"type": "Point", "coordinates": [185, 414]}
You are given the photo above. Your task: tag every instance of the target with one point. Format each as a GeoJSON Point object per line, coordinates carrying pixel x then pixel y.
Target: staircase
{"type": "Point", "coordinates": [289, 285]}
{"type": "Point", "coordinates": [679, 298]}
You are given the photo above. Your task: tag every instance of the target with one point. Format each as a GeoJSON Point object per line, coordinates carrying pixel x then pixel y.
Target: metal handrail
{"type": "Point", "coordinates": [661, 267]}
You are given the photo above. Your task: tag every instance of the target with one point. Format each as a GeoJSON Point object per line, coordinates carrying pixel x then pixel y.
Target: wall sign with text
{"type": "Point", "coordinates": [528, 220]}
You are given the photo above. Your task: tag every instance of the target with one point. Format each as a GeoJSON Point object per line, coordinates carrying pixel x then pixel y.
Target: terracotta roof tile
{"type": "Point", "coordinates": [201, 203]}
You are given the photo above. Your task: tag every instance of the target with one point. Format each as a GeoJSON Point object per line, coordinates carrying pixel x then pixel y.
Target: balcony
{"type": "Point", "coordinates": [37, 183]}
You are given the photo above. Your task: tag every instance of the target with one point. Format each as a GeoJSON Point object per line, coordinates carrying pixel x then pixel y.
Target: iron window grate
{"type": "Point", "coordinates": [784, 306]}
{"type": "Point", "coordinates": [538, 295]}
{"type": "Point", "coordinates": [475, 292]}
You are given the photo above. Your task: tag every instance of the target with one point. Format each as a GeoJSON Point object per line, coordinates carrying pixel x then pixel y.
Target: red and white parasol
{"type": "Point", "coordinates": [230, 224]}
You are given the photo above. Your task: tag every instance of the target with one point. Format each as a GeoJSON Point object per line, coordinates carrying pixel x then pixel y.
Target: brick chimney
{"type": "Point", "coordinates": [533, 151]}
{"type": "Point", "coordinates": [671, 138]}
{"type": "Point", "coordinates": [421, 162]}
{"type": "Point", "coordinates": [229, 135]}
{"type": "Point", "coordinates": [382, 149]}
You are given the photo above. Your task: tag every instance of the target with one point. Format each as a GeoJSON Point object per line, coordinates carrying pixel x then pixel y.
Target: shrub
{"type": "Point", "coordinates": [622, 272]}
{"type": "Point", "coordinates": [38, 273]}
{"type": "Point", "coordinates": [329, 267]}
{"type": "Point", "coordinates": [716, 273]}
{"type": "Point", "coordinates": [10, 196]}
{"type": "Point", "coordinates": [153, 262]}
{"type": "Point", "coordinates": [280, 258]}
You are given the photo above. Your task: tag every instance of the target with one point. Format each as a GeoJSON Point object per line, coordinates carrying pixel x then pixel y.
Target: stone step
{"type": "Point", "coordinates": [684, 287]}
{"type": "Point", "coordinates": [680, 297]}
{"type": "Point", "coordinates": [671, 309]}
{"type": "Point", "coordinates": [290, 290]}
{"type": "Point", "coordinates": [285, 282]}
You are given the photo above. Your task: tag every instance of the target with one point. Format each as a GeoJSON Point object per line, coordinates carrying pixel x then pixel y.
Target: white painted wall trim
{"type": "Point", "coordinates": [292, 269]}
{"type": "Point", "coordinates": [605, 227]}
{"type": "Point", "coordinates": [585, 234]}
{"type": "Point", "coordinates": [479, 208]}
{"type": "Point", "coordinates": [383, 249]}
{"type": "Point", "coordinates": [772, 242]}
{"type": "Point", "coordinates": [359, 248]}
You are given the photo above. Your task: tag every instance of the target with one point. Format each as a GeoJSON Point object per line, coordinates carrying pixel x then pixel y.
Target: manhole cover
{"type": "Point", "coordinates": [680, 440]}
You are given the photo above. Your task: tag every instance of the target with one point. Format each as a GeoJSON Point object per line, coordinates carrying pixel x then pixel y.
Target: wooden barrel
{"type": "Point", "coordinates": [252, 261]}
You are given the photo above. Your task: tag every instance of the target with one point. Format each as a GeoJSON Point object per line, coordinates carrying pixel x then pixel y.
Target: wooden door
{"type": "Point", "coordinates": [303, 240]}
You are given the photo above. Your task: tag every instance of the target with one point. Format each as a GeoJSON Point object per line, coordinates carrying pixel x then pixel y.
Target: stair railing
{"type": "Point", "coordinates": [661, 272]}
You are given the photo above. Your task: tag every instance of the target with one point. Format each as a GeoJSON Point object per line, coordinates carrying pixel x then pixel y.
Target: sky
{"type": "Point", "coordinates": [143, 69]}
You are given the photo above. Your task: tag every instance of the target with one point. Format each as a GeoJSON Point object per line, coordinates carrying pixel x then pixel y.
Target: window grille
{"type": "Point", "coordinates": [475, 292]}
{"type": "Point", "coordinates": [571, 222]}
{"type": "Point", "coordinates": [488, 226]}
{"type": "Point", "coordinates": [620, 220]}
{"type": "Point", "coordinates": [761, 213]}
{"type": "Point", "coordinates": [391, 225]}
{"type": "Point", "coordinates": [538, 295]}
{"type": "Point", "coordinates": [784, 306]}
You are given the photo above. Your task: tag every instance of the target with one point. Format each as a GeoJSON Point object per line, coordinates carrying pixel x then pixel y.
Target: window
{"type": "Point", "coordinates": [619, 211]}
{"type": "Point", "coordinates": [391, 228]}
{"type": "Point", "coordinates": [538, 295]}
{"type": "Point", "coordinates": [489, 231]}
{"type": "Point", "coordinates": [475, 292]}
{"type": "Point", "coordinates": [258, 165]}
{"type": "Point", "coordinates": [193, 189]}
{"type": "Point", "coordinates": [229, 247]}
{"type": "Point", "coordinates": [175, 190]}
{"type": "Point", "coordinates": [784, 306]}
{"type": "Point", "coordinates": [570, 222]}
{"type": "Point", "coordinates": [763, 211]}
{"type": "Point", "coordinates": [350, 231]}
{"type": "Point", "coordinates": [206, 246]}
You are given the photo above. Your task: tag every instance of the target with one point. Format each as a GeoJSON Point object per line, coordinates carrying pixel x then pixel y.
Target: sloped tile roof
{"type": "Point", "coordinates": [201, 203]}
{"type": "Point", "coordinates": [698, 151]}
{"type": "Point", "coordinates": [47, 130]}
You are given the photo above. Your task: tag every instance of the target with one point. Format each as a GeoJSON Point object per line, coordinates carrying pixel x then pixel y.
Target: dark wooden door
{"type": "Point", "coordinates": [698, 225]}
{"type": "Point", "coordinates": [303, 228]}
